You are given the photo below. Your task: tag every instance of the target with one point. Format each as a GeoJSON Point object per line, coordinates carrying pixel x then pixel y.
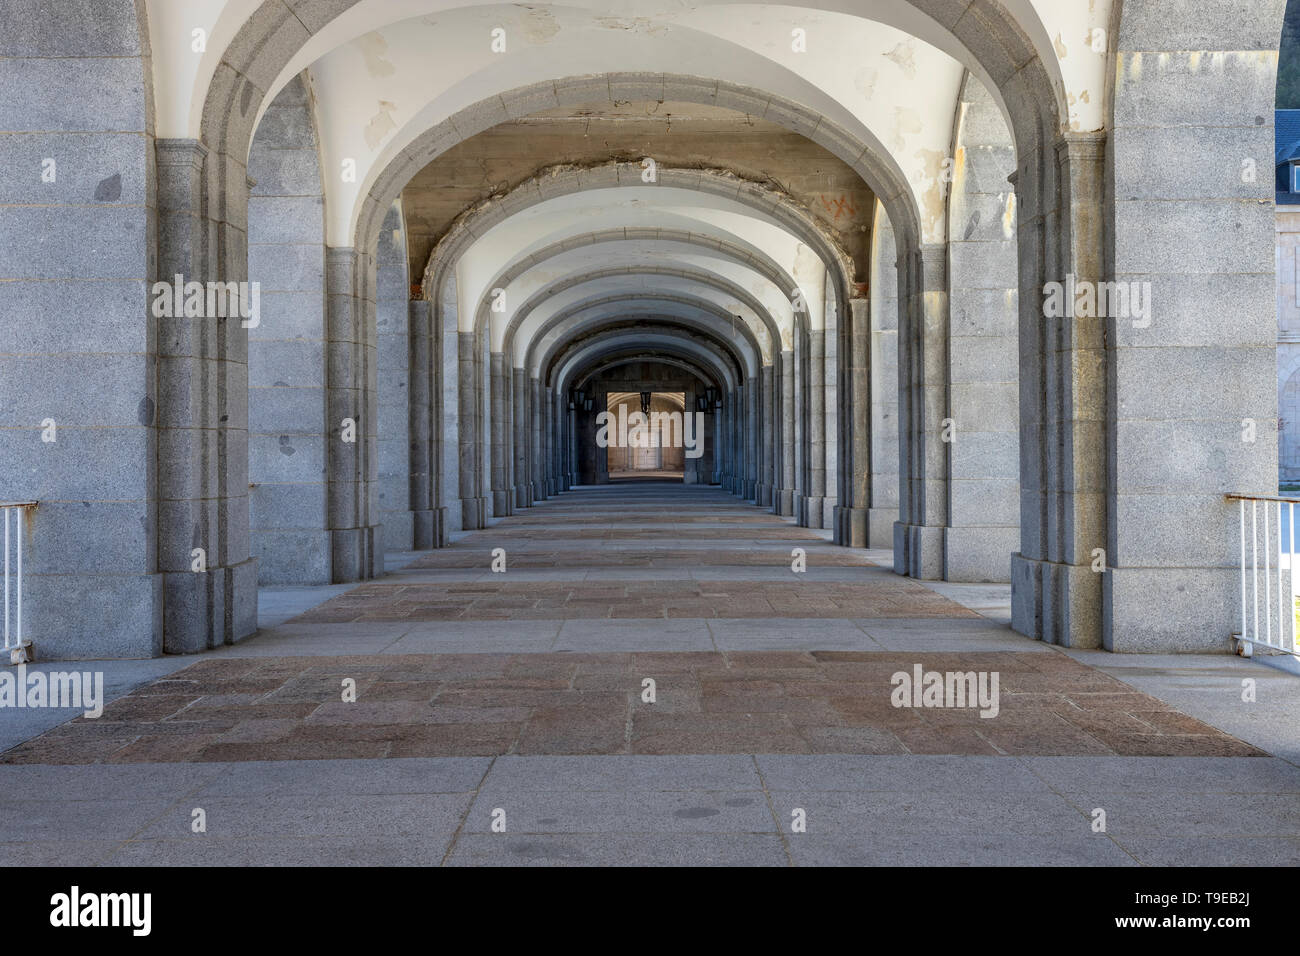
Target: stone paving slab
{"type": "Point", "coordinates": [642, 849]}
{"type": "Point", "coordinates": [476, 704]}
{"type": "Point", "coordinates": [854, 848]}
{"type": "Point", "coordinates": [732, 809]}
{"type": "Point", "coordinates": [384, 601]}
{"type": "Point", "coordinates": [522, 692]}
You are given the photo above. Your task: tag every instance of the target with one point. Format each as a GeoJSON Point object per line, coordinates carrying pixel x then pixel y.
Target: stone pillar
{"type": "Point", "coordinates": [799, 408]}
{"type": "Point", "coordinates": [574, 473]}
{"type": "Point", "coordinates": [548, 432]}
{"type": "Point", "coordinates": [467, 401]}
{"type": "Point", "coordinates": [784, 495]}
{"type": "Point", "coordinates": [923, 401]}
{"type": "Point", "coordinates": [831, 392]}
{"type": "Point", "coordinates": [731, 435]}
{"type": "Point", "coordinates": [690, 471]}
{"type": "Point", "coordinates": [983, 369]}
{"type": "Point", "coordinates": [80, 347]}
{"type": "Point", "coordinates": [559, 441]}
{"type": "Point", "coordinates": [885, 434]}
{"type": "Point", "coordinates": [753, 441]}
{"type": "Point", "coordinates": [423, 429]}
{"type": "Point", "coordinates": [1055, 593]}
{"type": "Point", "coordinates": [719, 449]}
{"type": "Point", "coordinates": [446, 414]}
{"type": "Point", "coordinates": [202, 415]}
{"type": "Point", "coordinates": [538, 441]}
{"type": "Point", "coordinates": [356, 535]}
{"type": "Point", "coordinates": [501, 495]}
{"type": "Point", "coordinates": [852, 526]}
{"type": "Point", "coordinates": [814, 507]}
{"type": "Point", "coordinates": [766, 435]}
{"type": "Point", "coordinates": [519, 416]}
{"type": "Point", "coordinates": [286, 401]}
{"type": "Point", "coordinates": [602, 454]}
{"type": "Point", "coordinates": [392, 316]}
{"type": "Point", "coordinates": [1202, 390]}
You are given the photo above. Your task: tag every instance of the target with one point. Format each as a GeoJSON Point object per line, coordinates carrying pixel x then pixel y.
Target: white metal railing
{"type": "Point", "coordinates": [1268, 551]}
{"type": "Point", "coordinates": [15, 645]}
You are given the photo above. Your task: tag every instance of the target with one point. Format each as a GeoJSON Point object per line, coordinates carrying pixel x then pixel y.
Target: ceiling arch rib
{"type": "Point", "coordinates": [639, 277]}
{"type": "Point", "coordinates": [639, 256]}
{"type": "Point", "coordinates": [486, 264]}
{"type": "Point", "coordinates": [652, 283]}
{"type": "Point", "coordinates": [742, 353]}
{"type": "Point", "coordinates": [883, 177]}
{"type": "Point", "coordinates": [569, 368]}
{"type": "Point", "coordinates": [614, 251]}
{"type": "Point", "coordinates": [777, 206]}
{"type": "Point", "coordinates": [620, 290]}
{"type": "Point", "coordinates": [604, 365]}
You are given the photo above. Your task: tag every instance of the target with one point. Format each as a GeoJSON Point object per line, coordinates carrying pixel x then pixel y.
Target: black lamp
{"type": "Point", "coordinates": [645, 403]}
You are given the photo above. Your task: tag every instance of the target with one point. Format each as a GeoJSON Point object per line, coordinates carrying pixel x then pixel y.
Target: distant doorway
{"type": "Point", "coordinates": [645, 436]}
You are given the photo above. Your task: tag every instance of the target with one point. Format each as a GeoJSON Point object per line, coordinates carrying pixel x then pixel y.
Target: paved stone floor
{"type": "Point", "coordinates": [518, 697]}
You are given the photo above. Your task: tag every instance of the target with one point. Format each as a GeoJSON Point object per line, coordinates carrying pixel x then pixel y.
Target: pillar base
{"type": "Point", "coordinates": [814, 512]}
{"type": "Point", "coordinates": [294, 558]}
{"type": "Point", "coordinates": [918, 551]}
{"type": "Point", "coordinates": [880, 527]}
{"type": "Point", "coordinates": [783, 502]}
{"type": "Point", "coordinates": [430, 529]}
{"type": "Point", "coordinates": [979, 555]}
{"type": "Point", "coordinates": [399, 530]}
{"type": "Point", "coordinates": [1173, 610]}
{"type": "Point", "coordinates": [539, 491]}
{"type": "Point", "coordinates": [763, 495]}
{"type": "Point", "coordinates": [473, 513]}
{"type": "Point", "coordinates": [502, 502]}
{"type": "Point", "coordinates": [523, 496]}
{"type": "Point", "coordinates": [1062, 603]}
{"type": "Point", "coordinates": [356, 554]}
{"type": "Point", "coordinates": [205, 609]}
{"type": "Point", "coordinates": [851, 527]}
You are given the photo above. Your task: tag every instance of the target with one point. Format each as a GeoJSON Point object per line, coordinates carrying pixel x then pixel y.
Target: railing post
{"type": "Point", "coordinates": [1254, 573]}
{"type": "Point", "coordinates": [6, 514]}
{"type": "Point", "coordinates": [1288, 629]}
{"type": "Point", "coordinates": [1290, 540]}
{"type": "Point", "coordinates": [1268, 586]}
{"type": "Point", "coordinates": [1241, 508]}
{"type": "Point", "coordinates": [15, 642]}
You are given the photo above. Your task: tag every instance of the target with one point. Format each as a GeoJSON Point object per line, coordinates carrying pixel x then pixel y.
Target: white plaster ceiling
{"type": "Point", "coordinates": [386, 70]}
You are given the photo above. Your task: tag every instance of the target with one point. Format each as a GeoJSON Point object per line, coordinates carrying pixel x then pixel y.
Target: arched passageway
{"type": "Point", "coordinates": [465, 240]}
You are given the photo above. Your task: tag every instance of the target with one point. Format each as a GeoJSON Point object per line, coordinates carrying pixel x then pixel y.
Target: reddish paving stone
{"type": "Point", "coordinates": [486, 704]}
{"type": "Point", "coordinates": [872, 598]}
